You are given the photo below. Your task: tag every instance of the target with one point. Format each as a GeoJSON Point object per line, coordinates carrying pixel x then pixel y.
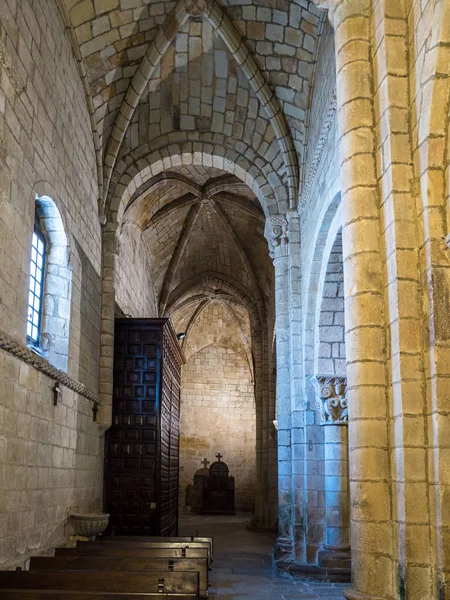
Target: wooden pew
{"type": "Point", "coordinates": [107, 582]}
{"type": "Point", "coordinates": [96, 563]}
{"type": "Point", "coordinates": [117, 551]}
{"type": "Point", "coordinates": [187, 539]}
{"type": "Point", "coordinates": [64, 595]}
{"type": "Point", "coordinates": [132, 543]}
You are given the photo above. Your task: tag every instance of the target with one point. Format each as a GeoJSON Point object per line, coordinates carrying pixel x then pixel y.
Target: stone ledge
{"type": "Point", "coordinates": [23, 353]}
{"type": "Point", "coordinates": [314, 573]}
{"type": "Point", "coordinates": [354, 595]}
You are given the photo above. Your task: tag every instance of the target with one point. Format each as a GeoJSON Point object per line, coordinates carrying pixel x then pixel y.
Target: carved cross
{"type": "Point", "coordinates": [205, 462]}
{"type": "Point", "coordinates": [219, 456]}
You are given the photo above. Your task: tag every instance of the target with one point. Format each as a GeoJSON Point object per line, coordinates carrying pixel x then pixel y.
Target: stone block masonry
{"type": "Point", "coordinates": [218, 414]}
{"type": "Point", "coordinates": [50, 456]}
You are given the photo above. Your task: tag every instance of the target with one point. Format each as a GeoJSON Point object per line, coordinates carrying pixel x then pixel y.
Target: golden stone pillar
{"type": "Point", "coordinates": [371, 503]}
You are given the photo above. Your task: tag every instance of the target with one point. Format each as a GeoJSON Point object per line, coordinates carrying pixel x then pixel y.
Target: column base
{"type": "Point", "coordinates": [335, 558]}
{"type": "Point", "coordinates": [313, 572]}
{"type": "Point", "coordinates": [354, 595]}
{"type": "Point", "coordinates": [282, 551]}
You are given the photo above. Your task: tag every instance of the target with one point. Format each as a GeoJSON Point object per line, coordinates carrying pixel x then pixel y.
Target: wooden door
{"type": "Point", "coordinates": [171, 390]}
{"type": "Point", "coordinates": [132, 461]}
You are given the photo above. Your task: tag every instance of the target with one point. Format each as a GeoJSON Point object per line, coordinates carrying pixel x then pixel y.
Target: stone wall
{"type": "Point", "coordinates": [218, 415]}
{"type": "Point", "coordinates": [331, 342]}
{"type": "Point", "coordinates": [51, 459]}
{"type": "Point", "coordinates": [134, 284]}
{"type": "Point", "coordinates": [49, 455]}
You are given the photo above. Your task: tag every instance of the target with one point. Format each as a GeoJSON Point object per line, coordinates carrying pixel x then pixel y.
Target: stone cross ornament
{"type": "Point", "coordinates": [205, 462]}
{"type": "Point", "coordinates": [331, 393]}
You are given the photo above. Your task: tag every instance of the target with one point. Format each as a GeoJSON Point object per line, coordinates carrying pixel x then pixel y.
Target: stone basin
{"type": "Point", "coordinates": [89, 524]}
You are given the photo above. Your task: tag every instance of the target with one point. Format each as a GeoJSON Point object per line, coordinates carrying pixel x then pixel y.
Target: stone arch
{"type": "Point", "coordinates": [147, 163]}
{"type": "Point", "coordinates": [236, 45]}
{"type": "Point", "coordinates": [325, 235]}
{"type": "Point", "coordinates": [165, 178]}
{"type": "Point", "coordinates": [228, 308]}
{"type": "Point", "coordinates": [215, 284]}
{"type": "Point", "coordinates": [54, 339]}
{"type": "Point", "coordinates": [330, 335]}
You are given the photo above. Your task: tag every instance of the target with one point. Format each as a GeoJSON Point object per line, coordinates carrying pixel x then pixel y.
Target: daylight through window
{"type": "Point", "coordinates": [37, 265]}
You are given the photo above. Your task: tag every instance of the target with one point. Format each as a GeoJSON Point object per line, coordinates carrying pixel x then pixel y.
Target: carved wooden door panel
{"type": "Point", "coordinates": [131, 463]}
{"type": "Point", "coordinates": [142, 446]}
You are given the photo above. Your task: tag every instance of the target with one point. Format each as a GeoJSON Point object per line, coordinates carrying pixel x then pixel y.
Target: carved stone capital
{"type": "Point", "coordinates": [331, 393]}
{"type": "Point", "coordinates": [276, 233]}
{"type": "Point", "coordinates": [111, 243]}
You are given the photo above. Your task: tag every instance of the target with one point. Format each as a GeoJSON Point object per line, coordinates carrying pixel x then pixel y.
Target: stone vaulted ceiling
{"type": "Point", "coordinates": [204, 231]}
{"type": "Point", "coordinates": [199, 110]}
{"type": "Point", "coordinates": [225, 71]}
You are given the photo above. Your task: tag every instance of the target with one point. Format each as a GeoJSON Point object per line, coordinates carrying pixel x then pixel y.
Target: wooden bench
{"type": "Point", "coordinates": [187, 539]}
{"type": "Point", "coordinates": [117, 551]}
{"type": "Point", "coordinates": [65, 595]}
{"type": "Point", "coordinates": [107, 582]}
{"type": "Point", "coordinates": [96, 563]}
{"type": "Point", "coordinates": [132, 543]}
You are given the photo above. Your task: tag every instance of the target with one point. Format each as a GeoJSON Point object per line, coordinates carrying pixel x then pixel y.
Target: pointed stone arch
{"type": "Point", "coordinates": [162, 179]}
{"type": "Point", "coordinates": [146, 164]}
{"type": "Point", "coordinates": [236, 45]}
{"type": "Point", "coordinates": [221, 184]}
{"type": "Point", "coordinates": [326, 230]}
{"type": "Point", "coordinates": [218, 284]}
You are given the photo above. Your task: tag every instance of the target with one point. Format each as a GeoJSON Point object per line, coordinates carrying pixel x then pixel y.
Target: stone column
{"type": "Point", "coordinates": [110, 251]}
{"type": "Point", "coordinates": [372, 532]}
{"type": "Point", "coordinates": [296, 391]}
{"type": "Point", "coordinates": [331, 392]}
{"type": "Point", "coordinates": [283, 234]}
{"type": "Point", "coordinates": [277, 236]}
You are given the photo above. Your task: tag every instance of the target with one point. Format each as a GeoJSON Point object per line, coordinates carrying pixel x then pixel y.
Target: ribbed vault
{"type": "Point", "coordinates": [204, 234]}
{"type": "Point", "coordinates": [165, 71]}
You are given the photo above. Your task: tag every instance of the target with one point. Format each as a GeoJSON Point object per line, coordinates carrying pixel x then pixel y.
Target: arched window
{"type": "Point", "coordinates": [36, 286]}
{"type": "Point", "coordinates": [50, 283]}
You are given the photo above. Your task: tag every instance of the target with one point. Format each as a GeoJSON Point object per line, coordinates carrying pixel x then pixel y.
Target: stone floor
{"type": "Point", "coordinates": [242, 565]}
